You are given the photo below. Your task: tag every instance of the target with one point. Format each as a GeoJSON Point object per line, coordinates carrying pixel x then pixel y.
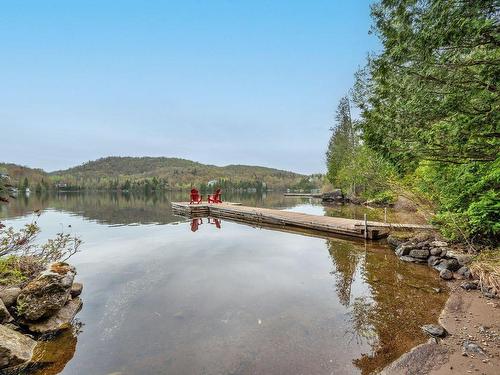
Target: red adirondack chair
{"type": "Point", "coordinates": [216, 197]}
{"type": "Point", "coordinates": [195, 197]}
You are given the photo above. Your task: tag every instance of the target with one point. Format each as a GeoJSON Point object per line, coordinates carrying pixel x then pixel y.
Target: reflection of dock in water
{"type": "Point", "coordinates": [292, 220]}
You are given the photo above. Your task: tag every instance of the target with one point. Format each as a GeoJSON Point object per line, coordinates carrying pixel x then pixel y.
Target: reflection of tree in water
{"type": "Point", "coordinates": [345, 261]}
{"type": "Point", "coordinates": [400, 298]}
{"type": "Point", "coordinates": [360, 317]}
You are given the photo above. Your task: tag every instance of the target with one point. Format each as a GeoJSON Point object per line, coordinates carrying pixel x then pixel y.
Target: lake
{"type": "Point", "coordinates": [166, 295]}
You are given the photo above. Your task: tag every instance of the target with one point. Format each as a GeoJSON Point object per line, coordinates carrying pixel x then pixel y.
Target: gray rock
{"type": "Point", "coordinates": [46, 294]}
{"type": "Point", "coordinates": [5, 316]}
{"type": "Point", "coordinates": [76, 289]}
{"type": "Point", "coordinates": [403, 249]}
{"type": "Point", "coordinates": [436, 251]}
{"type": "Point", "coordinates": [434, 330]}
{"type": "Point", "coordinates": [469, 285]}
{"type": "Point", "coordinates": [444, 251]}
{"type": "Point", "coordinates": [446, 274]}
{"type": "Point", "coordinates": [463, 259]}
{"type": "Point", "coordinates": [406, 258]}
{"type": "Point", "coordinates": [432, 260]}
{"type": "Point", "coordinates": [9, 296]}
{"type": "Point", "coordinates": [464, 272]}
{"type": "Point", "coordinates": [394, 241]}
{"type": "Point", "coordinates": [15, 348]}
{"type": "Point", "coordinates": [59, 321]}
{"type": "Point", "coordinates": [439, 244]}
{"type": "Point", "coordinates": [419, 253]}
{"type": "Point", "coordinates": [452, 264]}
{"type": "Point", "coordinates": [447, 264]}
{"type": "Point", "coordinates": [471, 348]}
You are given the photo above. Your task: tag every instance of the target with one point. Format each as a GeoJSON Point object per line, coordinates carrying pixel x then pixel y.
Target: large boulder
{"type": "Point", "coordinates": [9, 295]}
{"type": "Point", "coordinates": [59, 321]}
{"type": "Point", "coordinates": [46, 294]}
{"type": "Point", "coordinates": [15, 348]}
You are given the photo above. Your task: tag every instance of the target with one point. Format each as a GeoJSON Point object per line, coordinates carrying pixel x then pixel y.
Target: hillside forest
{"type": "Point", "coordinates": [149, 174]}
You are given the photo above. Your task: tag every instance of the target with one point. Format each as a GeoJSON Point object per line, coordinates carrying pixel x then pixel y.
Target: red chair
{"type": "Point", "coordinates": [216, 197]}
{"type": "Point", "coordinates": [195, 197]}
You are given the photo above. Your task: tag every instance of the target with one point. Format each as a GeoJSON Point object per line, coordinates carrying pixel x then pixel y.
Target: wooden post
{"type": "Point", "coordinates": [366, 228]}
{"type": "Point", "coordinates": [385, 215]}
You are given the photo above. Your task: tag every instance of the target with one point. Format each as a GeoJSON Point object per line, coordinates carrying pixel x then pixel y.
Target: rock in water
{"type": "Point", "coordinates": [46, 294]}
{"type": "Point", "coordinates": [9, 296]}
{"type": "Point", "coordinates": [434, 330]}
{"type": "Point", "coordinates": [76, 289]}
{"type": "Point", "coordinates": [419, 253]}
{"type": "Point", "coordinates": [5, 316]}
{"type": "Point", "coordinates": [15, 348]}
{"type": "Point", "coordinates": [59, 321]}
{"type": "Point", "coordinates": [446, 274]}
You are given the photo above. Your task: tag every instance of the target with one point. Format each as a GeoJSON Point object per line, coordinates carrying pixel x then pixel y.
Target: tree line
{"type": "Point", "coordinates": [429, 117]}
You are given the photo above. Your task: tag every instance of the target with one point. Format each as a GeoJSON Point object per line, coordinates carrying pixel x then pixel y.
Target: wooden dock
{"type": "Point", "coordinates": [307, 195]}
{"type": "Point", "coordinates": [266, 216]}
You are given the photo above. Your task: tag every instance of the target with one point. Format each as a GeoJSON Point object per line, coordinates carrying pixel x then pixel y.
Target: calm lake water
{"type": "Point", "coordinates": [164, 295]}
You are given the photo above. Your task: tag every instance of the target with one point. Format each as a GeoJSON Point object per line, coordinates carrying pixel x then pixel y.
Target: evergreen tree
{"type": "Point", "coordinates": [343, 141]}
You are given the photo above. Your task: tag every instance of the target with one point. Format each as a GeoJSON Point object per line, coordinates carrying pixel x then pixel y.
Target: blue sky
{"type": "Point", "coordinates": [220, 82]}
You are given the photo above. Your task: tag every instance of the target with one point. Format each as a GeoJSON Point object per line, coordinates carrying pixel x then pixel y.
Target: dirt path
{"type": "Point", "coordinates": [468, 317]}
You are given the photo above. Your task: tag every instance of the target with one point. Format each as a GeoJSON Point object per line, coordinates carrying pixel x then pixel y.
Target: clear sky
{"type": "Point", "coordinates": [220, 82]}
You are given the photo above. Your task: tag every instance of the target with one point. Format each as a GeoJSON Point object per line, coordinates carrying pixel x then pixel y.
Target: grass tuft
{"type": "Point", "coordinates": [486, 268]}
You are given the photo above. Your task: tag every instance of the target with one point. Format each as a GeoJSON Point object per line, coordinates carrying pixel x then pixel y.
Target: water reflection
{"type": "Point", "coordinates": [400, 300]}
{"type": "Point", "coordinates": [122, 209]}
{"type": "Point", "coordinates": [229, 298]}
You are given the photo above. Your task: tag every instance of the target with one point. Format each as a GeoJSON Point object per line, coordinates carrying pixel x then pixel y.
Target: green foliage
{"type": "Point", "coordinates": [21, 243]}
{"type": "Point", "coordinates": [430, 106]}
{"type": "Point", "coordinates": [432, 93]}
{"type": "Point", "coordinates": [367, 172]}
{"type": "Point", "coordinates": [384, 197]}
{"type": "Point", "coordinates": [10, 273]}
{"type": "Point", "coordinates": [469, 198]}
{"type": "Point", "coordinates": [343, 141]}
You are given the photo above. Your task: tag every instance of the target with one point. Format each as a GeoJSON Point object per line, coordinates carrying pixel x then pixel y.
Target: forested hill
{"type": "Point", "coordinates": [160, 172]}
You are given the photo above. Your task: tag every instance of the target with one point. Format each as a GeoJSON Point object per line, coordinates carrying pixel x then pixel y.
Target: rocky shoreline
{"type": "Point", "coordinates": [429, 249]}
{"type": "Point", "coordinates": [44, 306]}
{"type": "Point", "coordinates": [467, 338]}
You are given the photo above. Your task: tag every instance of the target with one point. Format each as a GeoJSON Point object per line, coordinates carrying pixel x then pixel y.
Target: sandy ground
{"type": "Point", "coordinates": [466, 316]}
